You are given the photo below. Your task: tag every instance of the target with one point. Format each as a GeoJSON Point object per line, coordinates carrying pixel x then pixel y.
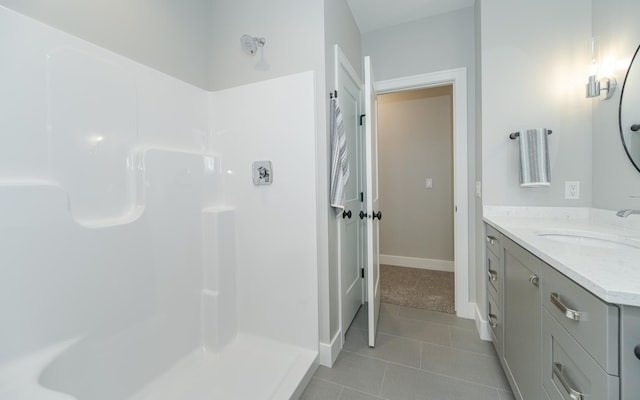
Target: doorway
{"type": "Point", "coordinates": [457, 78]}
{"type": "Point", "coordinates": [415, 131]}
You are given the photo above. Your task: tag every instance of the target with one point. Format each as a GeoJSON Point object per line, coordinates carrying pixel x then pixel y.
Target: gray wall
{"type": "Point", "coordinates": [170, 36]}
{"type": "Point", "coordinates": [534, 63]}
{"type": "Point", "coordinates": [533, 72]}
{"type": "Point", "coordinates": [442, 42]}
{"type": "Point", "coordinates": [616, 28]}
{"type": "Point", "coordinates": [341, 29]}
{"type": "Point", "coordinates": [295, 40]}
{"type": "Point", "coordinates": [415, 137]}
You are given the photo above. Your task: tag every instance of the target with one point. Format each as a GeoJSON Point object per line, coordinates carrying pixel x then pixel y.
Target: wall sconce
{"type": "Point", "coordinates": [604, 83]}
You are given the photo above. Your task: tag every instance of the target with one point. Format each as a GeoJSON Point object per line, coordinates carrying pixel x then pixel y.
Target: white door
{"type": "Point", "coordinates": [351, 283]}
{"type": "Point", "coordinates": [373, 206]}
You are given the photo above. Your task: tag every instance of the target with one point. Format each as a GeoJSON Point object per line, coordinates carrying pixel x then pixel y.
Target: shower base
{"type": "Point", "coordinates": [250, 368]}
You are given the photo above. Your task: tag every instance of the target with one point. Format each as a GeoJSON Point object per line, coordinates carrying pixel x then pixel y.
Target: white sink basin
{"type": "Point", "coordinates": [592, 239]}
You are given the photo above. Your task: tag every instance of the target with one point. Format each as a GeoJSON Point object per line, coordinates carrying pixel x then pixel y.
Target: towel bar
{"type": "Point", "coordinates": [514, 135]}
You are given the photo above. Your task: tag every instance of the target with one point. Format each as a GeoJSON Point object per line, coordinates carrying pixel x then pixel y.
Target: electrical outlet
{"type": "Point", "coordinates": [572, 190]}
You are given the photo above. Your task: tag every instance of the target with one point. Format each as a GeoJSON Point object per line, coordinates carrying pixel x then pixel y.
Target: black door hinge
{"type": "Point", "coordinates": [361, 197]}
{"type": "Point", "coordinates": [362, 272]}
{"type": "Point", "coordinates": [361, 117]}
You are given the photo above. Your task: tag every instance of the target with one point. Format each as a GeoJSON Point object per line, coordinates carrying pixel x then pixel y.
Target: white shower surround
{"type": "Point", "coordinates": [138, 260]}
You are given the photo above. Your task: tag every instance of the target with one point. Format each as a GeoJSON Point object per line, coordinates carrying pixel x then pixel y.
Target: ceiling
{"type": "Point", "coordinates": [371, 15]}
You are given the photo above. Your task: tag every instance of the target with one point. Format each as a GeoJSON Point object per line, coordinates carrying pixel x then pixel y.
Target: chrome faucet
{"type": "Point", "coordinates": [626, 212]}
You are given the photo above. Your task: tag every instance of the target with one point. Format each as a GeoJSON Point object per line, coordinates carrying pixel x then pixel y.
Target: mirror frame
{"type": "Point", "coordinates": [636, 59]}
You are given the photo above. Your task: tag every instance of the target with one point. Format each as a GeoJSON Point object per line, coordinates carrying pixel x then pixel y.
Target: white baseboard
{"type": "Point", "coordinates": [329, 351]}
{"type": "Point", "coordinates": [421, 263]}
{"type": "Point", "coordinates": [466, 310]}
{"type": "Point", "coordinates": [483, 326]}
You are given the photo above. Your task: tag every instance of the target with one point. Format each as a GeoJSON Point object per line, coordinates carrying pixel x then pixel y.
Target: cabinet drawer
{"type": "Point", "coordinates": [494, 277]}
{"type": "Point", "coordinates": [567, 368]}
{"type": "Point", "coordinates": [592, 322]}
{"type": "Point", "coordinates": [493, 240]}
{"type": "Point", "coordinates": [497, 328]}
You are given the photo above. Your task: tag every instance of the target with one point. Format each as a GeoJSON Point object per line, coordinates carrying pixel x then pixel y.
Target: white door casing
{"type": "Point", "coordinates": [372, 201]}
{"type": "Point", "coordinates": [349, 89]}
{"type": "Point", "coordinates": [457, 78]}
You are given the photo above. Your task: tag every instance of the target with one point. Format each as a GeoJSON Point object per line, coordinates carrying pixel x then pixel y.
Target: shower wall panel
{"type": "Point", "coordinates": [105, 168]}
{"type": "Point", "coordinates": [276, 229]}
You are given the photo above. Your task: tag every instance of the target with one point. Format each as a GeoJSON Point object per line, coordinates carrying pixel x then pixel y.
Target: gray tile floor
{"type": "Point", "coordinates": [419, 355]}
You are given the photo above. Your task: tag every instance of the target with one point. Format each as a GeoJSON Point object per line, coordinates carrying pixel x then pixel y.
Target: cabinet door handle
{"type": "Point", "coordinates": [493, 320]}
{"type": "Point", "coordinates": [492, 240]}
{"type": "Point", "coordinates": [493, 275]}
{"type": "Point", "coordinates": [573, 394]}
{"type": "Point", "coordinates": [534, 280]}
{"type": "Point", "coordinates": [569, 313]}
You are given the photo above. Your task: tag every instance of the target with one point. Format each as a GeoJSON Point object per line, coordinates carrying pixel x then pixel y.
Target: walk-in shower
{"type": "Point", "coordinates": [139, 260]}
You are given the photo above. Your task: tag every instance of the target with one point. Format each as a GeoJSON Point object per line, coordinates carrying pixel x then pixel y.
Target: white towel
{"type": "Point", "coordinates": [339, 158]}
{"type": "Point", "coordinates": [534, 158]}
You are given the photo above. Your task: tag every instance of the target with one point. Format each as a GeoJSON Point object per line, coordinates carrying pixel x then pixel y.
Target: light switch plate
{"type": "Point", "coordinates": [262, 173]}
{"type": "Point", "coordinates": [429, 183]}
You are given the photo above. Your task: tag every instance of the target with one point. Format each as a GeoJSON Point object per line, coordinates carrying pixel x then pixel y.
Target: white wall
{"type": "Point", "coordinates": [617, 32]}
{"type": "Point", "coordinates": [415, 142]}
{"type": "Point", "coordinates": [172, 37]}
{"type": "Point", "coordinates": [534, 57]}
{"type": "Point", "coordinates": [442, 42]}
{"type": "Point", "coordinates": [341, 29]}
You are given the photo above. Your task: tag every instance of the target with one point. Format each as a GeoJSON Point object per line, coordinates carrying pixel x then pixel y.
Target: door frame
{"type": "Point", "coordinates": [458, 78]}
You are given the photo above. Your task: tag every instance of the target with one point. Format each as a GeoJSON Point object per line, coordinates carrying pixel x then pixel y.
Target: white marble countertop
{"type": "Point", "coordinates": [612, 274]}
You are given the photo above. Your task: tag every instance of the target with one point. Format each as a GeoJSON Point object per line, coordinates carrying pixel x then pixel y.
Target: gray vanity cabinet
{"type": "Point", "coordinates": [522, 321]}
{"type": "Point", "coordinates": [555, 339]}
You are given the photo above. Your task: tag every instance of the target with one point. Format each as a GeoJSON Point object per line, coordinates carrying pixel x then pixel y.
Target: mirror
{"type": "Point", "coordinates": [629, 116]}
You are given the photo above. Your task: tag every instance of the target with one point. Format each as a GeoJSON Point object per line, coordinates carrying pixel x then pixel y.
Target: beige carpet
{"type": "Point", "coordinates": [421, 288]}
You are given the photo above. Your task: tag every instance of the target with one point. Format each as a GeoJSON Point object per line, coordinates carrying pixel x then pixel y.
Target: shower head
{"type": "Point", "coordinates": [250, 44]}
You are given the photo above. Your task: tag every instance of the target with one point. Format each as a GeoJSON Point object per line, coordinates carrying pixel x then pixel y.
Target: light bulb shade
{"type": "Point", "coordinates": [593, 87]}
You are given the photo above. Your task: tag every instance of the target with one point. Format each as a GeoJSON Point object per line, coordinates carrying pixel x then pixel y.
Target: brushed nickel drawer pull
{"type": "Point", "coordinates": [493, 275]}
{"type": "Point", "coordinates": [573, 394]}
{"type": "Point", "coordinates": [569, 313]}
{"type": "Point", "coordinates": [493, 320]}
{"type": "Point", "coordinates": [492, 240]}
{"type": "Point", "coordinates": [534, 280]}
